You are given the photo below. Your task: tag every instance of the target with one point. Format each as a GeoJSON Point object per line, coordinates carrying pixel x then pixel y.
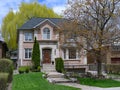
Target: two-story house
{"type": "Point", "coordinates": [46, 30]}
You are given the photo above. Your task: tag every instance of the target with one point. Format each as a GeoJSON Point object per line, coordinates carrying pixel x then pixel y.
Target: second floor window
{"type": "Point", "coordinates": [28, 36]}
{"type": "Point", "coordinates": [46, 33]}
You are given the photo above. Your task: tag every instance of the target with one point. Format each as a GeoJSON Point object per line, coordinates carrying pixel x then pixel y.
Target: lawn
{"type": "Point", "coordinates": [34, 81]}
{"type": "Point", "coordinates": [105, 83]}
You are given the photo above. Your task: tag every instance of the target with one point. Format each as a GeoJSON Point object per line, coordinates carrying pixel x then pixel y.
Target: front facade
{"type": "Point", "coordinates": [46, 30]}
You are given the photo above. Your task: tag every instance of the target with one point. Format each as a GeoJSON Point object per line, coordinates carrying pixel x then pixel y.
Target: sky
{"type": "Point", "coordinates": [5, 5]}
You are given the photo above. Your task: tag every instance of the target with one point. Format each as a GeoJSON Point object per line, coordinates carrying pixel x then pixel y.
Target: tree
{"type": "Point", "coordinates": [13, 21]}
{"type": "Point", "coordinates": [36, 54]}
{"type": "Point", "coordinates": [96, 22]}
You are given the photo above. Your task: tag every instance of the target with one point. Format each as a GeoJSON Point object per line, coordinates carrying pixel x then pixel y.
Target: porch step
{"type": "Point", "coordinates": [55, 75]}
{"type": "Point", "coordinates": [58, 80]}
{"type": "Point", "coordinates": [48, 68]}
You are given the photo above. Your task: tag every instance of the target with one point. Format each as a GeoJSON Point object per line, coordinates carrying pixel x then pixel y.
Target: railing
{"type": "Point", "coordinates": [91, 67]}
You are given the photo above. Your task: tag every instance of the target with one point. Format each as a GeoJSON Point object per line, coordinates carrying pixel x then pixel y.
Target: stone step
{"type": "Point", "coordinates": [55, 75]}
{"type": "Point", "coordinates": [59, 80]}
{"type": "Point", "coordinates": [45, 70]}
{"type": "Point", "coordinates": [48, 67]}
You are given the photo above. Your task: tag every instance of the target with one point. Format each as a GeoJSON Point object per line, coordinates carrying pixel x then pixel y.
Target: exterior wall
{"type": "Point", "coordinates": [20, 48]}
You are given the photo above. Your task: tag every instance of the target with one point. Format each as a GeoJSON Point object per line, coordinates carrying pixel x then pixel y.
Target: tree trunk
{"type": "Point", "coordinates": [99, 64]}
{"type": "Point", "coordinates": [99, 68]}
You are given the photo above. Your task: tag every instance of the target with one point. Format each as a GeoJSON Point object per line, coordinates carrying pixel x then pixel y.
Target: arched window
{"type": "Point", "coordinates": [46, 33]}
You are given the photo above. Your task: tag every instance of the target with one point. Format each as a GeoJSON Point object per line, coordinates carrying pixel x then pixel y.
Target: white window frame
{"type": "Point", "coordinates": [28, 36]}
{"type": "Point", "coordinates": [47, 33]}
{"type": "Point", "coordinates": [66, 55]}
{"type": "Point", "coordinates": [29, 50]}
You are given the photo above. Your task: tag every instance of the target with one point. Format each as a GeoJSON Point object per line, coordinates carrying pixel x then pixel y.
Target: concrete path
{"type": "Point", "coordinates": [84, 87]}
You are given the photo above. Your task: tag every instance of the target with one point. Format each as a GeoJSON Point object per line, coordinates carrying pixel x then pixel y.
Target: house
{"type": "Point", "coordinates": [111, 55]}
{"type": "Point", "coordinates": [3, 48]}
{"type": "Point", "coordinates": [46, 30]}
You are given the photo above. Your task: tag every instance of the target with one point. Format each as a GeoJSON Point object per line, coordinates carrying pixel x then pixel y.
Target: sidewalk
{"type": "Point", "coordinates": [84, 87]}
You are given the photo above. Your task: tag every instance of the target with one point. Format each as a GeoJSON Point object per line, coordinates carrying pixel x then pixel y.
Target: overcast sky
{"type": "Point", "coordinates": [5, 5]}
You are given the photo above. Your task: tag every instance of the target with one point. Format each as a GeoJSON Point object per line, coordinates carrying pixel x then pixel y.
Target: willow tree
{"type": "Point", "coordinates": [26, 11]}
{"type": "Point", "coordinates": [96, 22]}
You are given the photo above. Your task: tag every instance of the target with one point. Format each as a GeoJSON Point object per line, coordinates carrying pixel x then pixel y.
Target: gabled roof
{"type": "Point", "coordinates": [35, 21]}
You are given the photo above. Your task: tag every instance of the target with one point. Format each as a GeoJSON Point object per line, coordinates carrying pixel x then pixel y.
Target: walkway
{"type": "Point", "coordinates": [84, 87]}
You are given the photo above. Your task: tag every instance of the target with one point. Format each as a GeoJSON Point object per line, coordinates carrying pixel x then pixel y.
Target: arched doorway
{"type": "Point", "coordinates": [46, 55]}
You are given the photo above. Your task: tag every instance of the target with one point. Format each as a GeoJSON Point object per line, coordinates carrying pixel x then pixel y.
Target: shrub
{"type": "Point", "coordinates": [3, 81]}
{"type": "Point", "coordinates": [23, 69]}
{"type": "Point", "coordinates": [6, 66]}
{"type": "Point", "coordinates": [38, 68]}
{"type": "Point", "coordinates": [59, 65]}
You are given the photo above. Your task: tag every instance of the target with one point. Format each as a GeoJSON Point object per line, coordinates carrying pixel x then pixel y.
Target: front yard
{"type": "Point", "coordinates": [34, 81]}
{"type": "Point", "coordinates": [105, 83]}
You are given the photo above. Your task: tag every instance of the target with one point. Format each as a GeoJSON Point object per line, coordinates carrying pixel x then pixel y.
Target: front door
{"type": "Point", "coordinates": [46, 55]}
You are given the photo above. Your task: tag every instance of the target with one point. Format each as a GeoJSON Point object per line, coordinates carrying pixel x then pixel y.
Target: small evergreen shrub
{"type": "Point", "coordinates": [3, 81]}
{"type": "Point", "coordinates": [59, 65]}
{"type": "Point", "coordinates": [36, 54]}
{"type": "Point", "coordinates": [38, 68]}
{"type": "Point", "coordinates": [24, 69]}
{"type": "Point", "coordinates": [6, 66]}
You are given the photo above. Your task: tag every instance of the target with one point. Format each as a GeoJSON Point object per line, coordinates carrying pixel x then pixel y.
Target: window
{"type": "Point", "coordinates": [28, 53]}
{"type": "Point", "coordinates": [28, 36]}
{"type": "Point", "coordinates": [46, 33]}
{"type": "Point", "coordinates": [72, 53]}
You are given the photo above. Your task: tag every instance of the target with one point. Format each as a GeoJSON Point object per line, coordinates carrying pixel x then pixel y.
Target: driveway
{"type": "Point", "coordinates": [84, 87]}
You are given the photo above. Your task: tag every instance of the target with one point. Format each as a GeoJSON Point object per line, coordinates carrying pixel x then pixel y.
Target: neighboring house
{"type": "Point", "coordinates": [111, 55]}
{"type": "Point", "coordinates": [3, 48]}
{"type": "Point", "coordinates": [14, 57]}
{"type": "Point", "coordinates": [46, 30]}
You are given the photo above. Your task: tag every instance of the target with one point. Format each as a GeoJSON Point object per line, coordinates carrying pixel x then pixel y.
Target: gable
{"type": "Point", "coordinates": [46, 22]}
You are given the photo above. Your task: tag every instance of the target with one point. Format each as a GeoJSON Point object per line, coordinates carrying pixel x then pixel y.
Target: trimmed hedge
{"type": "Point", "coordinates": [3, 81]}
{"type": "Point", "coordinates": [113, 68]}
{"type": "Point", "coordinates": [59, 65]}
{"type": "Point", "coordinates": [6, 66]}
{"type": "Point", "coordinates": [24, 69]}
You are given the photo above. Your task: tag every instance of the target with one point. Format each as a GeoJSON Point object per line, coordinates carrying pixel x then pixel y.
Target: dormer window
{"type": "Point", "coordinates": [46, 33]}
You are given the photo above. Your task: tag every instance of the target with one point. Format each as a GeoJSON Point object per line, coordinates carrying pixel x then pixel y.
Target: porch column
{"type": "Point", "coordinates": [52, 55]}
{"type": "Point", "coordinates": [77, 54]}
{"type": "Point", "coordinates": [67, 54]}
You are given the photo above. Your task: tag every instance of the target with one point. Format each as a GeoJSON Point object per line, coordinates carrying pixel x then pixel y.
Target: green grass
{"type": "Point", "coordinates": [34, 81]}
{"type": "Point", "coordinates": [104, 83]}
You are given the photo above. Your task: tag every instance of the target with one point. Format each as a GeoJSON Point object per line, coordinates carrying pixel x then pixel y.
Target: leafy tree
{"type": "Point", "coordinates": [96, 22]}
{"type": "Point", "coordinates": [36, 54]}
{"type": "Point", "coordinates": [13, 21]}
